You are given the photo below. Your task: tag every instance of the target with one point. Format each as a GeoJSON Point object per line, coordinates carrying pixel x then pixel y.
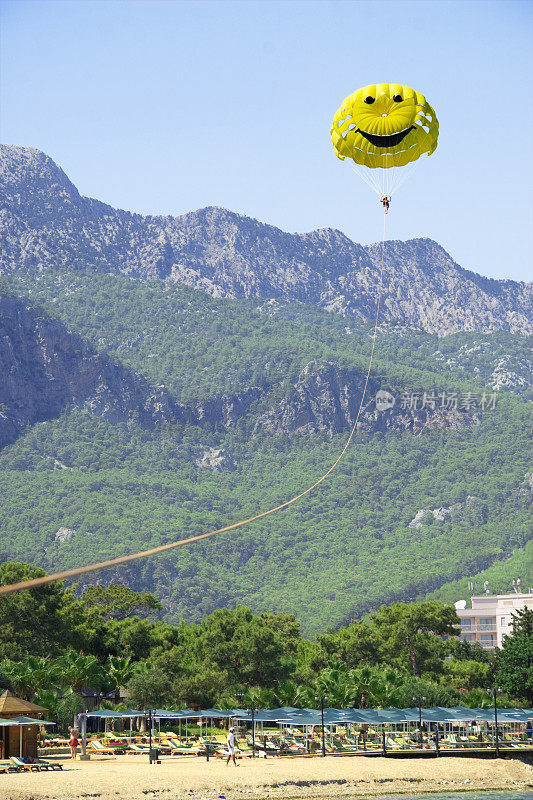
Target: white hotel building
{"type": "Point", "coordinates": [489, 620]}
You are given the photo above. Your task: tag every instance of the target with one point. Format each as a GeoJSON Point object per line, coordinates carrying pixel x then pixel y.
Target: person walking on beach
{"type": "Point", "coordinates": [73, 743]}
{"type": "Point", "coordinates": [231, 746]}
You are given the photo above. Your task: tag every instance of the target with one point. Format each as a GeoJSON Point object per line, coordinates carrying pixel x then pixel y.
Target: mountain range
{"type": "Point", "coordinates": [160, 376]}
{"type": "Point", "coordinates": [46, 222]}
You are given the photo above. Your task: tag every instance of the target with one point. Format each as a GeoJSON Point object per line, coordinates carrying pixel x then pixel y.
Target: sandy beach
{"type": "Point", "coordinates": [129, 778]}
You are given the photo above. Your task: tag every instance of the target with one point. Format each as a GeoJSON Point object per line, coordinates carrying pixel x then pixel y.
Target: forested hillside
{"type": "Point", "coordinates": [82, 486]}
{"type": "Point", "coordinates": [198, 346]}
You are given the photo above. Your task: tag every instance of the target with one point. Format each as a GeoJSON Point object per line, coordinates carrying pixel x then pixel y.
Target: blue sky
{"type": "Point", "coordinates": [164, 107]}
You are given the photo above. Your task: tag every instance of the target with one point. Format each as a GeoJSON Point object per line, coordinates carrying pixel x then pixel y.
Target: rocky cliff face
{"type": "Point", "coordinates": [44, 369]}
{"type": "Point", "coordinates": [325, 398]}
{"type": "Point", "coordinates": [45, 221]}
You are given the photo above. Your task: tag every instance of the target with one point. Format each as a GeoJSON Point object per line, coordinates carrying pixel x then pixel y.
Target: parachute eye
{"type": "Point", "coordinates": [397, 98]}
{"type": "Point", "coordinates": [369, 100]}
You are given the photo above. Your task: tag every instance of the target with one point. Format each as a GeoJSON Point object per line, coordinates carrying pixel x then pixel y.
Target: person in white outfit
{"type": "Point", "coordinates": [231, 746]}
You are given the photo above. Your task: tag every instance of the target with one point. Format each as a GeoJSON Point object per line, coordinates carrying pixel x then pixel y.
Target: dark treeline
{"type": "Point", "coordinates": [55, 643]}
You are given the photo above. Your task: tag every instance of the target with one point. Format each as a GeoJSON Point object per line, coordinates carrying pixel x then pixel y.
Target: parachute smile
{"type": "Point", "coordinates": [384, 125]}
{"type": "Point", "coordinates": [386, 141]}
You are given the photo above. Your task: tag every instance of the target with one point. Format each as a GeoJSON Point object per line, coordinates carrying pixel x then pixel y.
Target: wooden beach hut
{"type": "Point", "coordinates": [21, 738]}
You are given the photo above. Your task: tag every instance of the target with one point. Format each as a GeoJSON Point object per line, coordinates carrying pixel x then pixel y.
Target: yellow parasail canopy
{"type": "Point", "coordinates": [384, 125]}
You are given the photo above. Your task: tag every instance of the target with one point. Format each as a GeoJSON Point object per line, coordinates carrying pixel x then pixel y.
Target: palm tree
{"type": "Point", "coordinates": [305, 697]}
{"type": "Point", "coordinates": [286, 693]}
{"type": "Point", "coordinates": [257, 697]}
{"type": "Point", "coordinates": [119, 670]}
{"type": "Point", "coordinates": [31, 675]}
{"type": "Point", "coordinates": [386, 689]}
{"type": "Point", "coordinates": [48, 698]}
{"type": "Point", "coordinates": [335, 680]}
{"type": "Point", "coordinates": [367, 684]}
{"type": "Point", "coordinates": [77, 671]}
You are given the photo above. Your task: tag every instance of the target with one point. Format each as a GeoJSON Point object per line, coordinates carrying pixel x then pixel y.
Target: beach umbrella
{"type": "Point", "coordinates": [391, 715]}
{"type": "Point", "coordinates": [216, 713]}
{"type": "Point", "coordinates": [514, 715]}
{"type": "Point", "coordinates": [104, 713]}
{"type": "Point", "coordinates": [260, 714]}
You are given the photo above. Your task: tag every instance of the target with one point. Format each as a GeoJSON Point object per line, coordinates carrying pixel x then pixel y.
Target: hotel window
{"type": "Point", "coordinates": [487, 637]}
{"type": "Point", "coordinates": [502, 620]}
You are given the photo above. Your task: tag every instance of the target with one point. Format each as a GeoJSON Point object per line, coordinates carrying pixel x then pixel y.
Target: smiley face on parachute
{"type": "Point", "coordinates": [384, 125]}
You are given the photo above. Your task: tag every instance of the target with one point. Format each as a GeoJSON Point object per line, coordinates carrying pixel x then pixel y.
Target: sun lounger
{"type": "Point", "coordinates": [22, 765]}
{"type": "Point", "coordinates": [512, 740]}
{"type": "Point", "coordinates": [9, 768]}
{"type": "Point", "coordinates": [96, 745]}
{"type": "Point", "coordinates": [181, 750]}
{"type": "Point", "coordinates": [34, 764]}
{"type": "Point", "coordinates": [266, 744]}
{"type": "Point", "coordinates": [343, 746]}
{"type": "Point", "coordinates": [44, 764]}
{"type": "Point", "coordinates": [451, 741]}
{"type": "Point", "coordinates": [392, 744]}
{"type": "Point", "coordinates": [210, 745]}
{"type": "Point", "coordinates": [289, 747]}
{"type": "Point", "coordinates": [137, 748]}
{"type": "Point", "coordinates": [410, 744]}
{"type": "Point", "coordinates": [114, 742]}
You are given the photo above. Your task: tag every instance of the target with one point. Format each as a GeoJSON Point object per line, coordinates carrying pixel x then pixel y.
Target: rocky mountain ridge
{"type": "Point", "coordinates": [45, 368]}
{"type": "Point", "coordinates": [44, 221]}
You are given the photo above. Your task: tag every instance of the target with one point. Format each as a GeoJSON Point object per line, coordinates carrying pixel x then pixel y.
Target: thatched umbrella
{"type": "Point", "coordinates": [14, 706]}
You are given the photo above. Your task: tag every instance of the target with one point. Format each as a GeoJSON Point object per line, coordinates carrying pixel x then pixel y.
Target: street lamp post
{"type": "Point", "coordinates": [419, 701]}
{"type": "Point", "coordinates": [148, 714]}
{"type": "Point", "coordinates": [100, 699]}
{"type": "Point", "coordinates": [495, 692]}
{"type": "Point", "coordinates": [252, 709]}
{"type": "Point", "coordinates": [323, 699]}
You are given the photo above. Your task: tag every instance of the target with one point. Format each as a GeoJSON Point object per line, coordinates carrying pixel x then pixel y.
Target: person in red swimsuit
{"type": "Point", "coordinates": [74, 743]}
{"type": "Point", "coordinates": [385, 202]}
